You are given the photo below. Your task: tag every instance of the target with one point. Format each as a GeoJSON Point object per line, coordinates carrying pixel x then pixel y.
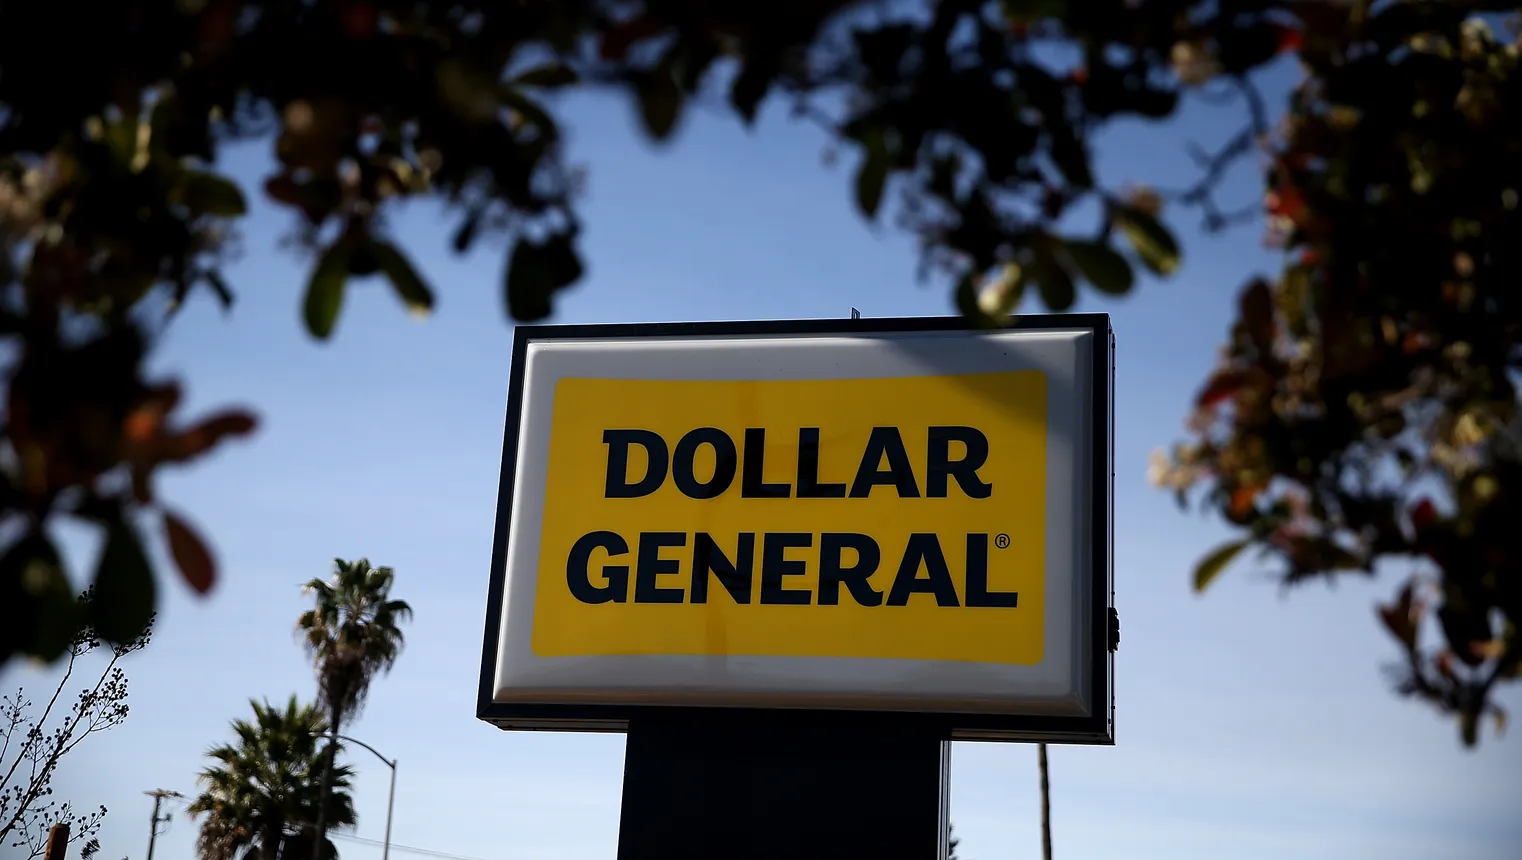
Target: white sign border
{"type": "Point", "coordinates": [1062, 698]}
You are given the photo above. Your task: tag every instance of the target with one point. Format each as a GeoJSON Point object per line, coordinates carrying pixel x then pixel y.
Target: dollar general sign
{"type": "Point", "coordinates": [893, 518]}
{"type": "Point", "coordinates": [802, 518]}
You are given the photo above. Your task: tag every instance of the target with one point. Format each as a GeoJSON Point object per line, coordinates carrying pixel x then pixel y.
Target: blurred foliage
{"type": "Point", "coordinates": [1367, 382]}
{"type": "Point", "coordinates": [1364, 415]}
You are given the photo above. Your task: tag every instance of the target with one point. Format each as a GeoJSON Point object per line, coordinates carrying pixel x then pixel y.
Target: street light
{"type": "Point", "coordinates": [390, 798]}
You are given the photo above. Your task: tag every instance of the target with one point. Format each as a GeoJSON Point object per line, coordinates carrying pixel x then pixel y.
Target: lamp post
{"type": "Point", "coordinates": [390, 797]}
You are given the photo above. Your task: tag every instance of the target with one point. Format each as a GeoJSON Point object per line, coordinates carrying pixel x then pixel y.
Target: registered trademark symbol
{"type": "Point", "coordinates": [1001, 541]}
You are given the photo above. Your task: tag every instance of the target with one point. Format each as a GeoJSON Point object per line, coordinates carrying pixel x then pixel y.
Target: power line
{"type": "Point", "coordinates": [395, 847]}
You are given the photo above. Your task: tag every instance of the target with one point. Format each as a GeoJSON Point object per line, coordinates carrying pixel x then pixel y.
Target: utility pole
{"type": "Point", "coordinates": [58, 842]}
{"type": "Point", "coordinates": [158, 796]}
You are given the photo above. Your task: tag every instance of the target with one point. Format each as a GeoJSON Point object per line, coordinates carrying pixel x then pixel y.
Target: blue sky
{"type": "Point", "coordinates": [1250, 724]}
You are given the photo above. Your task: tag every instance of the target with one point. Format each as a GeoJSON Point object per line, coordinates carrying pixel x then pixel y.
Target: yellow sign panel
{"type": "Point", "coordinates": [890, 518]}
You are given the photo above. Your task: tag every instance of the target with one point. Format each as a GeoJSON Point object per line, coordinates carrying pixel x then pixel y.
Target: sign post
{"type": "Point", "coordinates": [794, 560]}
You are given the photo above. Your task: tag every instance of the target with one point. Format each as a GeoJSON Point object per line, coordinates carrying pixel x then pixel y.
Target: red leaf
{"type": "Point", "coordinates": [618, 40]}
{"type": "Point", "coordinates": [1424, 514]}
{"type": "Point", "coordinates": [1286, 203]}
{"type": "Point", "coordinates": [1402, 617]}
{"type": "Point", "coordinates": [359, 20]}
{"type": "Point", "coordinates": [1220, 387]}
{"type": "Point", "coordinates": [1290, 39]}
{"type": "Point", "coordinates": [1444, 663]}
{"type": "Point", "coordinates": [204, 436]}
{"type": "Point", "coordinates": [190, 553]}
{"type": "Point", "coordinates": [1242, 499]}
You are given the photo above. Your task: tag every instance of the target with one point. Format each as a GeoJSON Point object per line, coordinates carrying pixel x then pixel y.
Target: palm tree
{"type": "Point", "coordinates": [260, 796]}
{"type": "Point", "coordinates": [352, 634]}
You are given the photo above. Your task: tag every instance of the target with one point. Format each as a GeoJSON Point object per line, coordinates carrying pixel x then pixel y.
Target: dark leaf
{"type": "Point", "coordinates": [882, 49]}
{"type": "Point", "coordinates": [325, 290]}
{"type": "Point", "coordinates": [1070, 155]}
{"type": "Point", "coordinates": [535, 271]}
{"type": "Point", "coordinates": [660, 102]}
{"type": "Point", "coordinates": [1211, 565]}
{"type": "Point", "coordinates": [404, 278]}
{"type": "Point", "coordinates": [190, 553]}
{"type": "Point", "coordinates": [1152, 241]}
{"type": "Point", "coordinates": [1058, 292]}
{"type": "Point", "coordinates": [38, 616]}
{"type": "Point", "coordinates": [363, 260]}
{"type": "Point", "coordinates": [124, 586]}
{"type": "Point", "coordinates": [1242, 49]}
{"type": "Point", "coordinates": [466, 235]}
{"type": "Point", "coordinates": [219, 286]}
{"type": "Point", "coordinates": [1258, 315]}
{"type": "Point", "coordinates": [1101, 266]}
{"type": "Point", "coordinates": [550, 75]}
{"type": "Point", "coordinates": [1469, 727]}
{"type": "Point", "coordinates": [750, 87]}
{"type": "Point", "coordinates": [212, 195]}
{"type": "Point", "coordinates": [563, 262]}
{"type": "Point", "coordinates": [871, 176]}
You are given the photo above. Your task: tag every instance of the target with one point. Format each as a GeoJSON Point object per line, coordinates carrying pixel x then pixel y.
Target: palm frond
{"type": "Point", "coordinates": [264, 787]}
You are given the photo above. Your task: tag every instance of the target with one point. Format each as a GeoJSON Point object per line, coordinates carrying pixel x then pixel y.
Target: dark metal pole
{"type": "Point", "coordinates": [390, 797]}
{"type": "Point", "coordinates": [775, 785]}
{"type": "Point", "coordinates": [1046, 804]}
{"type": "Point", "coordinates": [390, 804]}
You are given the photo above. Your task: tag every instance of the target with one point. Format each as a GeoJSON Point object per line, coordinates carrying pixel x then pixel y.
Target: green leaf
{"type": "Point", "coordinates": [124, 586]}
{"type": "Point", "coordinates": [1211, 565]}
{"type": "Point", "coordinates": [404, 279]}
{"type": "Point", "coordinates": [1101, 266]}
{"type": "Point", "coordinates": [660, 103]}
{"type": "Point", "coordinates": [997, 296]}
{"type": "Point", "coordinates": [325, 290]}
{"type": "Point", "coordinates": [1469, 727]}
{"type": "Point", "coordinates": [531, 112]}
{"type": "Point", "coordinates": [549, 75]}
{"type": "Point", "coordinates": [1058, 291]}
{"type": "Point", "coordinates": [213, 195]}
{"type": "Point", "coordinates": [966, 297]}
{"type": "Point", "coordinates": [872, 175]}
{"type": "Point", "coordinates": [1152, 241]}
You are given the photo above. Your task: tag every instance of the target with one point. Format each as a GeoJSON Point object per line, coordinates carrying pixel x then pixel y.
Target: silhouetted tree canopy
{"type": "Point", "coordinates": [1364, 414]}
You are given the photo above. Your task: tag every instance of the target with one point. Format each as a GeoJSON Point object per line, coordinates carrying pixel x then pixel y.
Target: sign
{"type": "Point", "coordinates": [893, 517]}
